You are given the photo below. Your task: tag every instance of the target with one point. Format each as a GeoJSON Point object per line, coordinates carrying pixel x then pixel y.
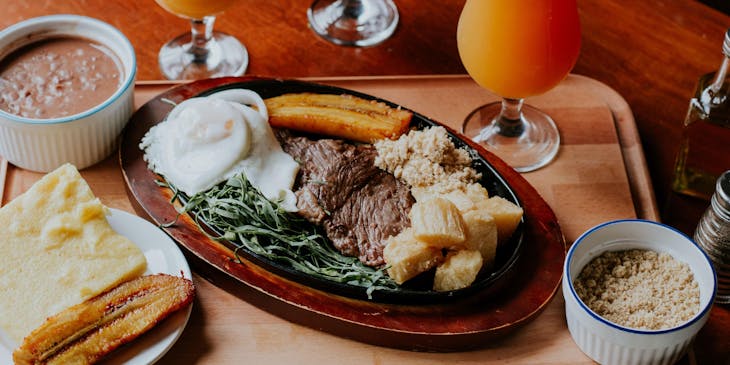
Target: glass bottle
{"type": "Point", "coordinates": [713, 235]}
{"type": "Point", "coordinates": [704, 151]}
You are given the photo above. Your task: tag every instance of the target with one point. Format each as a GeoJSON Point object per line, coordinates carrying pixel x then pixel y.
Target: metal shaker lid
{"type": "Point", "coordinates": [721, 198]}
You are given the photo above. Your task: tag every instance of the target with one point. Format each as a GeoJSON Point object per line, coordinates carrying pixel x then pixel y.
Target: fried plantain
{"type": "Point", "coordinates": [88, 331]}
{"type": "Point", "coordinates": [343, 116]}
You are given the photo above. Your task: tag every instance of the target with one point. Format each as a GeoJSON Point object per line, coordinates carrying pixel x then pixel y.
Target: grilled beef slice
{"type": "Point", "coordinates": [340, 188]}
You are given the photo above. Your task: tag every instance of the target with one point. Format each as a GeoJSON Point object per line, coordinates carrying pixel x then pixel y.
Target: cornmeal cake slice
{"type": "Point", "coordinates": [57, 250]}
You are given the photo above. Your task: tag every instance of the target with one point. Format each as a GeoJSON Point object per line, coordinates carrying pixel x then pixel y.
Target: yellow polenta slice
{"type": "Point", "coordinates": [57, 250]}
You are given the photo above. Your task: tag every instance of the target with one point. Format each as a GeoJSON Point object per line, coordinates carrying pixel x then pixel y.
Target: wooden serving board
{"type": "Point", "coordinates": [599, 175]}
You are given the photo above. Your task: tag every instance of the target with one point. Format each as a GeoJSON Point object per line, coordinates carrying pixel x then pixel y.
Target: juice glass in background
{"type": "Point", "coordinates": [195, 9]}
{"type": "Point", "coordinates": [517, 49]}
{"type": "Point", "coordinates": [357, 23]}
{"type": "Point", "coordinates": [202, 53]}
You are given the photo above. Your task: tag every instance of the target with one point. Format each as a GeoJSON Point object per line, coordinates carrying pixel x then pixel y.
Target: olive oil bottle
{"type": "Point", "coordinates": [704, 152]}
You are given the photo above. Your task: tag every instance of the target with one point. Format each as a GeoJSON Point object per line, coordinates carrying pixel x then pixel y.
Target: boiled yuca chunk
{"type": "Point", "coordinates": [476, 193]}
{"type": "Point", "coordinates": [407, 256]}
{"type": "Point", "coordinates": [465, 199]}
{"type": "Point", "coordinates": [437, 222]}
{"type": "Point", "coordinates": [458, 271]}
{"type": "Point", "coordinates": [506, 214]}
{"type": "Point", "coordinates": [481, 234]}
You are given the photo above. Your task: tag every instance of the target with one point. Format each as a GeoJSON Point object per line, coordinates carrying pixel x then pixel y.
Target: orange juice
{"type": "Point", "coordinates": [195, 9]}
{"type": "Point", "coordinates": [519, 48]}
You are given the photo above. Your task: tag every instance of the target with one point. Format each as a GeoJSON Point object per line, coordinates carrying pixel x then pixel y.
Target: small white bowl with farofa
{"type": "Point", "coordinates": [636, 292]}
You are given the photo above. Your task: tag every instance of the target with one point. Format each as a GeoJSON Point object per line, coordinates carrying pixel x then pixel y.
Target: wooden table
{"type": "Point", "coordinates": [651, 52]}
{"type": "Point", "coordinates": [596, 177]}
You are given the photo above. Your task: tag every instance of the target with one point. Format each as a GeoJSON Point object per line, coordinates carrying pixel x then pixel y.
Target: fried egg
{"type": "Point", "coordinates": [206, 140]}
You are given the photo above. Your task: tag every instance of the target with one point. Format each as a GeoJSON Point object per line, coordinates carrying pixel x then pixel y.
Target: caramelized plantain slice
{"type": "Point", "coordinates": [86, 332]}
{"type": "Point", "coordinates": [343, 116]}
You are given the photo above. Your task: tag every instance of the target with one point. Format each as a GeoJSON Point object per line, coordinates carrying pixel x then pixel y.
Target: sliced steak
{"type": "Point", "coordinates": [340, 188]}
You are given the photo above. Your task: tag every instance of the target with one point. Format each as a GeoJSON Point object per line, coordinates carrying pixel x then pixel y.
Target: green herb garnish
{"type": "Point", "coordinates": [241, 215]}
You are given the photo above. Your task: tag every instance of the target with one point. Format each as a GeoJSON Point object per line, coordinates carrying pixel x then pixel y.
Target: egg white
{"type": "Point", "coordinates": [206, 140]}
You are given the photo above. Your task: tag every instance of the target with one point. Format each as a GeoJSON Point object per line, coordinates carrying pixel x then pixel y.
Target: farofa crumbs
{"type": "Point", "coordinates": [427, 158]}
{"type": "Point", "coordinates": [640, 289]}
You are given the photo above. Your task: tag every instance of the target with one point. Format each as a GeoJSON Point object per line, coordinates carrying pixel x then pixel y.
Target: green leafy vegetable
{"type": "Point", "coordinates": [245, 218]}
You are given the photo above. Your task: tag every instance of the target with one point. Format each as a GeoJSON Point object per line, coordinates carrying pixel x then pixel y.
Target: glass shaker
{"type": "Point", "coordinates": [703, 151]}
{"type": "Point", "coordinates": [713, 235]}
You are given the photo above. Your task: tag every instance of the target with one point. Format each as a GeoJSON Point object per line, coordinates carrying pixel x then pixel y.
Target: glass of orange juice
{"type": "Point", "coordinates": [201, 53]}
{"type": "Point", "coordinates": [517, 49]}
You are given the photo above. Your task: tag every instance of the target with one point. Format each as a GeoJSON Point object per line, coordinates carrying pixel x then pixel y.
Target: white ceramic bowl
{"type": "Point", "coordinates": [81, 139]}
{"type": "Point", "coordinates": [609, 343]}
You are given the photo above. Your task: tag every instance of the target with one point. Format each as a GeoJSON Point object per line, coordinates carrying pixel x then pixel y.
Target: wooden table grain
{"type": "Point", "coordinates": [597, 176]}
{"type": "Point", "coordinates": [649, 51]}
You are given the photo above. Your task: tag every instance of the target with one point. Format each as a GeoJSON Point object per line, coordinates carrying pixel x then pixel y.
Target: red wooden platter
{"type": "Point", "coordinates": [463, 323]}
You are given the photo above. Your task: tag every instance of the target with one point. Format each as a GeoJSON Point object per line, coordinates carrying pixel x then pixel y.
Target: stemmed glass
{"type": "Point", "coordinates": [353, 22]}
{"type": "Point", "coordinates": [202, 53]}
{"type": "Point", "coordinates": [517, 49]}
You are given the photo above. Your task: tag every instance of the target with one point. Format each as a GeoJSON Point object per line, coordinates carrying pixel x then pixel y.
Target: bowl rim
{"type": "Point", "coordinates": [125, 85]}
{"type": "Point", "coordinates": [569, 282]}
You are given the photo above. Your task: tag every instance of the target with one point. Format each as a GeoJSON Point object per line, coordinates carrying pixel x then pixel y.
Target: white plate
{"type": "Point", "coordinates": [163, 256]}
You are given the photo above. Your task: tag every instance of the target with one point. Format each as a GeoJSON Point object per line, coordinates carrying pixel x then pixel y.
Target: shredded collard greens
{"type": "Point", "coordinates": [245, 218]}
